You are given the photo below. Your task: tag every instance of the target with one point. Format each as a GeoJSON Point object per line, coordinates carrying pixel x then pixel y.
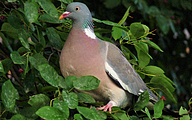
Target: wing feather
{"type": "Point", "coordinates": [120, 70]}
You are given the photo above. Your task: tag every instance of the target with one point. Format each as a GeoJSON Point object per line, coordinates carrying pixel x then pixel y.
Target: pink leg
{"type": "Point", "coordinates": [106, 107]}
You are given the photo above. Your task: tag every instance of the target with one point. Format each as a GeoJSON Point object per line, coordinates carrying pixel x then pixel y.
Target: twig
{"type": "Point", "coordinates": [16, 77]}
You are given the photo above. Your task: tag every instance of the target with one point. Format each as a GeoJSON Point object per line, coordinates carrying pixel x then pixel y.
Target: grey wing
{"type": "Point", "coordinates": [121, 71]}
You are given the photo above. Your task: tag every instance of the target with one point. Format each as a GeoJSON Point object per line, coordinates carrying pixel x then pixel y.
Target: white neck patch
{"type": "Point", "coordinates": [89, 32]}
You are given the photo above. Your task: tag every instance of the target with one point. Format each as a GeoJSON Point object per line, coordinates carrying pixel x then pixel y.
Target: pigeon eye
{"type": "Point", "coordinates": [77, 8]}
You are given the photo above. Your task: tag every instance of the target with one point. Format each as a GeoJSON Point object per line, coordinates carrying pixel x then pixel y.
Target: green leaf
{"type": "Point", "coordinates": [1, 68]}
{"type": "Point", "coordinates": [66, 1]}
{"type": "Point", "coordinates": [137, 29]}
{"type": "Point", "coordinates": [9, 30]}
{"type": "Point", "coordinates": [71, 99]}
{"type": "Point", "coordinates": [7, 65]}
{"type": "Point", "coordinates": [158, 108]}
{"type": "Point", "coordinates": [147, 112]}
{"type": "Point", "coordinates": [152, 44]}
{"type": "Point", "coordinates": [49, 7]}
{"type": "Point", "coordinates": [23, 37]}
{"type": "Point", "coordinates": [163, 23]}
{"type": "Point", "coordinates": [116, 32]}
{"type": "Point", "coordinates": [101, 113]}
{"type": "Point", "coordinates": [107, 22]}
{"type": "Point", "coordinates": [121, 116]}
{"type": "Point", "coordinates": [86, 83]}
{"type": "Point", "coordinates": [54, 38]}
{"type": "Point", "coordinates": [78, 117]}
{"type": "Point", "coordinates": [9, 95]}
{"type": "Point", "coordinates": [67, 84]}
{"type": "Point", "coordinates": [142, 53]}
{"type": "Point", "coordinates": [5, 41]}
{"type": "Point", "coordinates": [163, 81]}
{"type": "Point", "coordinates": [153, 70]}
{"type": "Point", "coordinates": [62, 106]}
{"type": "Point", "coordinates": [88, 113]}
{"type": "Point", "coordinates": [17, 59]}
{"type": "Point", "coordinates": [31, 11]}
{"type": "Point", "coordinates": [37, 60]}
{"type": "Point", "coordinates": [126, 51]}
{"type": "Point", "coordinates": [142, 101]}
{"type": "Point", "coordinates": [143, 59]}
{"type": "Point", "coordinates": [49, 74]}
{"type": "Point", "coordinates": [146, 28]}
{"type": "Point", "coordinates": [184, 111]}
{"type": "Point", "coordinates": [50, 113]}
{"type": "Point", "coordinates": [154, 11]}
{"type": "Point", "coordinates": [39, 100]}
{"type": "Point", "coordinates": [83, 97]}
{"type": "Point", "coordinates": [28, 82]}
{"type": "Point", "coordinates": [14, 21]}
{"type": "Point", "coordinates": [50, 19]}
{"type": "Point", "coordinates": [18, 117]}
{"type": "Point", "coordinates": [124, 17]}
{"type": "Point", "coordinates": [112, 3]}
{"type": "Point", "coordinates": [134, 118]}
{"type": "Point", "coordinates": [29, 112]}
{"type": "Point", "coordinates": [186, 4]}
{"type": "Point", "coordinates": [164, 85]}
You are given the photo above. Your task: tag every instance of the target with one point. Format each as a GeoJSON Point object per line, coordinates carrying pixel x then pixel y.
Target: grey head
{"type": "Point", "coordinates": [80, 15]}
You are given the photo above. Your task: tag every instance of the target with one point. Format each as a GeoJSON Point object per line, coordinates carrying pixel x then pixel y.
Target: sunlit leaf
{"type": "Point", "coordinates": [88, 113]}
{"type": "Point", "coordinates": [86, 83]}
{"type": "Point", "coordinates": [18, 117]}
{"type": "Point", "coordinates": [116, 32]}
{"type": "Point", "coordinates": [158, 108]}
{"type": "Point", "coordinates": [49, 7]}
{"type": "Point", "coordinates": [51, 113]}
{"type": "Point", "coordinates": [148, 113]}
{"type": "Point", "coordinates": [153, 70]}
{"type": "Point", "coordinates": [184, 111]}
{"type": "Point", "coordinates": [62, 106]}
{"type": "Point", "coordinates": [49, 74]}
{"type": "Point", "coordinates": [152, 44]}
{"type": "Point", "coordinates": [137, 29]}
{"type": "Point", "coordinates": [78, 117]}
{"type": "Point", "coordinates": [71, 99]}
{"type": "Point", "coordinates": [9, 95]}
{"type": "Point", "coordinates": [31, 11]}
{"type": "Point", "coordinates": [124, 17]}
{"type": "Point", "coordinates": [17, 59]}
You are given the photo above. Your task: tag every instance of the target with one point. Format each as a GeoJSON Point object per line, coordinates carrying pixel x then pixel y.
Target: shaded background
{"type": "Point", "coordinates": [172, 20]}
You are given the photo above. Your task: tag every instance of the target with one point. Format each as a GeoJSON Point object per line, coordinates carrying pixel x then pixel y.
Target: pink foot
{"type": "Point", "coordinates": [106, 107]}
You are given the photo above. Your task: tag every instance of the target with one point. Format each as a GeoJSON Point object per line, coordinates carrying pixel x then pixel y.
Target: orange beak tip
{"type": "Point", "coordinates": [61, 17]}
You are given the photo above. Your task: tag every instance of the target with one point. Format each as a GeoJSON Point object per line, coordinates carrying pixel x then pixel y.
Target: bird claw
{"type": "Point", "coordinates": [106, 107]}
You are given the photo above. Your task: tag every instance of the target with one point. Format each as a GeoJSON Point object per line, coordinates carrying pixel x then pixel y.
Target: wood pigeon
{"type": "Point", "coordinates": [85, 54]}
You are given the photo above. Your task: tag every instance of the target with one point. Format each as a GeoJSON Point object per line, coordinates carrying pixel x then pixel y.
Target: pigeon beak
{"type": "Point", "coordinates": [64, 15]}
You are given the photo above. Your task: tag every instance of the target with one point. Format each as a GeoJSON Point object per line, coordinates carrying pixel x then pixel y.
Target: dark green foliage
{"type": "Point", "coordinates": [32, 36]}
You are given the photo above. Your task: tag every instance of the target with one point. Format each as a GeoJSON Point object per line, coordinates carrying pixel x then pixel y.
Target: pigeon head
{"type": "Point", "coordinates": [79, 13]}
